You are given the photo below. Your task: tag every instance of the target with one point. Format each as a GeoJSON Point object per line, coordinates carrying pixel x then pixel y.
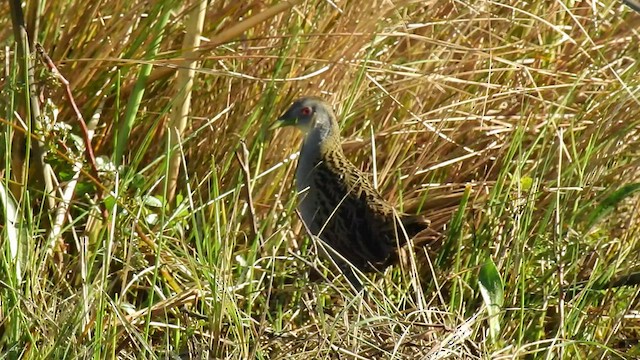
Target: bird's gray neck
{"type": "Point", "coordinates": [323, 137]}
{"type": "Point", "coordinates": [310, 156]}
{"type": "Point", "coordinates": [311, 146]}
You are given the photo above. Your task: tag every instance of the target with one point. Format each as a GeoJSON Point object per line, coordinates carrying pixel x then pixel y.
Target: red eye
{"type": "Point", "coordinates": [306, 111]}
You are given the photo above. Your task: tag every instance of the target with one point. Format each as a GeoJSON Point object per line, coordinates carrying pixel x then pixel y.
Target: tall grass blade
{"type": "Point", "coordinates": [608, 205]}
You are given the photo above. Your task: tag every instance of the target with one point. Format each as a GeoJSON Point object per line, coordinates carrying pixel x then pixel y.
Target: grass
{"type": "Point", "coordinates": [512, 125]}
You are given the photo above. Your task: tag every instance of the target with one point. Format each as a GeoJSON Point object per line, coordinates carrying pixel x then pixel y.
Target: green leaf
{"type": "Point", "coordinates": [492, 290]}
{"type": "Point", "coordinates": [109, 202]}
{"type": "Point", "coordinates": [153, 201]}
{"type": "Point", "coordinates": [138, 182]}
{"type": "Point", "coordinates": [526, 183]}
{"type": "Point", "coordinates": [610, 202]}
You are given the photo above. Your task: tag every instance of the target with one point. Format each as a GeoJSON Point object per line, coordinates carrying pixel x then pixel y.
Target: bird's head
{"type": "Point", "coordinates": [308, 113]}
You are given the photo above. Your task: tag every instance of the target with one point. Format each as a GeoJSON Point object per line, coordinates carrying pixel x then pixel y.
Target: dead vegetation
{"type": "Point", "coordinates": [532, 106]}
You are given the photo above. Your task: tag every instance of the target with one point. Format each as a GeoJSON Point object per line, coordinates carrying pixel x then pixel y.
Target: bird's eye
{"type": "Point", "coordinates": [306, 111]}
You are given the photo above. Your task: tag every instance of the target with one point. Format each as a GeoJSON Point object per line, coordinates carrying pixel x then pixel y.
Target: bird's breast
{"type": "Point", "coordinates": [306, 174]}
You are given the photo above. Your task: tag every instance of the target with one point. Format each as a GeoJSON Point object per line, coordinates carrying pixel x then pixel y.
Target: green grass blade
{"type": "Point", "coordinates": [609, 204]}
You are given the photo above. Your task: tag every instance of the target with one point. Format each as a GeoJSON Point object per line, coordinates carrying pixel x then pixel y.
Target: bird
{"type": "Point", "coordinates": [336, 200]}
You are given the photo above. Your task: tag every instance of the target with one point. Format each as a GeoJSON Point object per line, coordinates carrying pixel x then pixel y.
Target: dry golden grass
{"type": "Point", "coordinates": [534, 106]}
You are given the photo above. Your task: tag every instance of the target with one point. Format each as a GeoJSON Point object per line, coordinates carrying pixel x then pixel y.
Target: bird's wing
{"type": "Point", "coordinates": [359, 220]}
{"type": "Point", "coordinates": [384, 219]}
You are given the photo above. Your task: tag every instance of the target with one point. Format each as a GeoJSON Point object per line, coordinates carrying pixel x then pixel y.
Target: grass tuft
{"type": "Point", "coordinates": [513, 126]}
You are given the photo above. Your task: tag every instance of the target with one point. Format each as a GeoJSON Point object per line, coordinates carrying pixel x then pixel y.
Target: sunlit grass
{"type": "Point", "coordinates": [531, 108]}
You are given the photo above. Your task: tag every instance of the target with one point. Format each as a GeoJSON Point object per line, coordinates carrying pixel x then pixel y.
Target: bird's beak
{"type": "Point", "coordinates": [275, 125]}
{"type": "Point", "coordinates": [282, 122]}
